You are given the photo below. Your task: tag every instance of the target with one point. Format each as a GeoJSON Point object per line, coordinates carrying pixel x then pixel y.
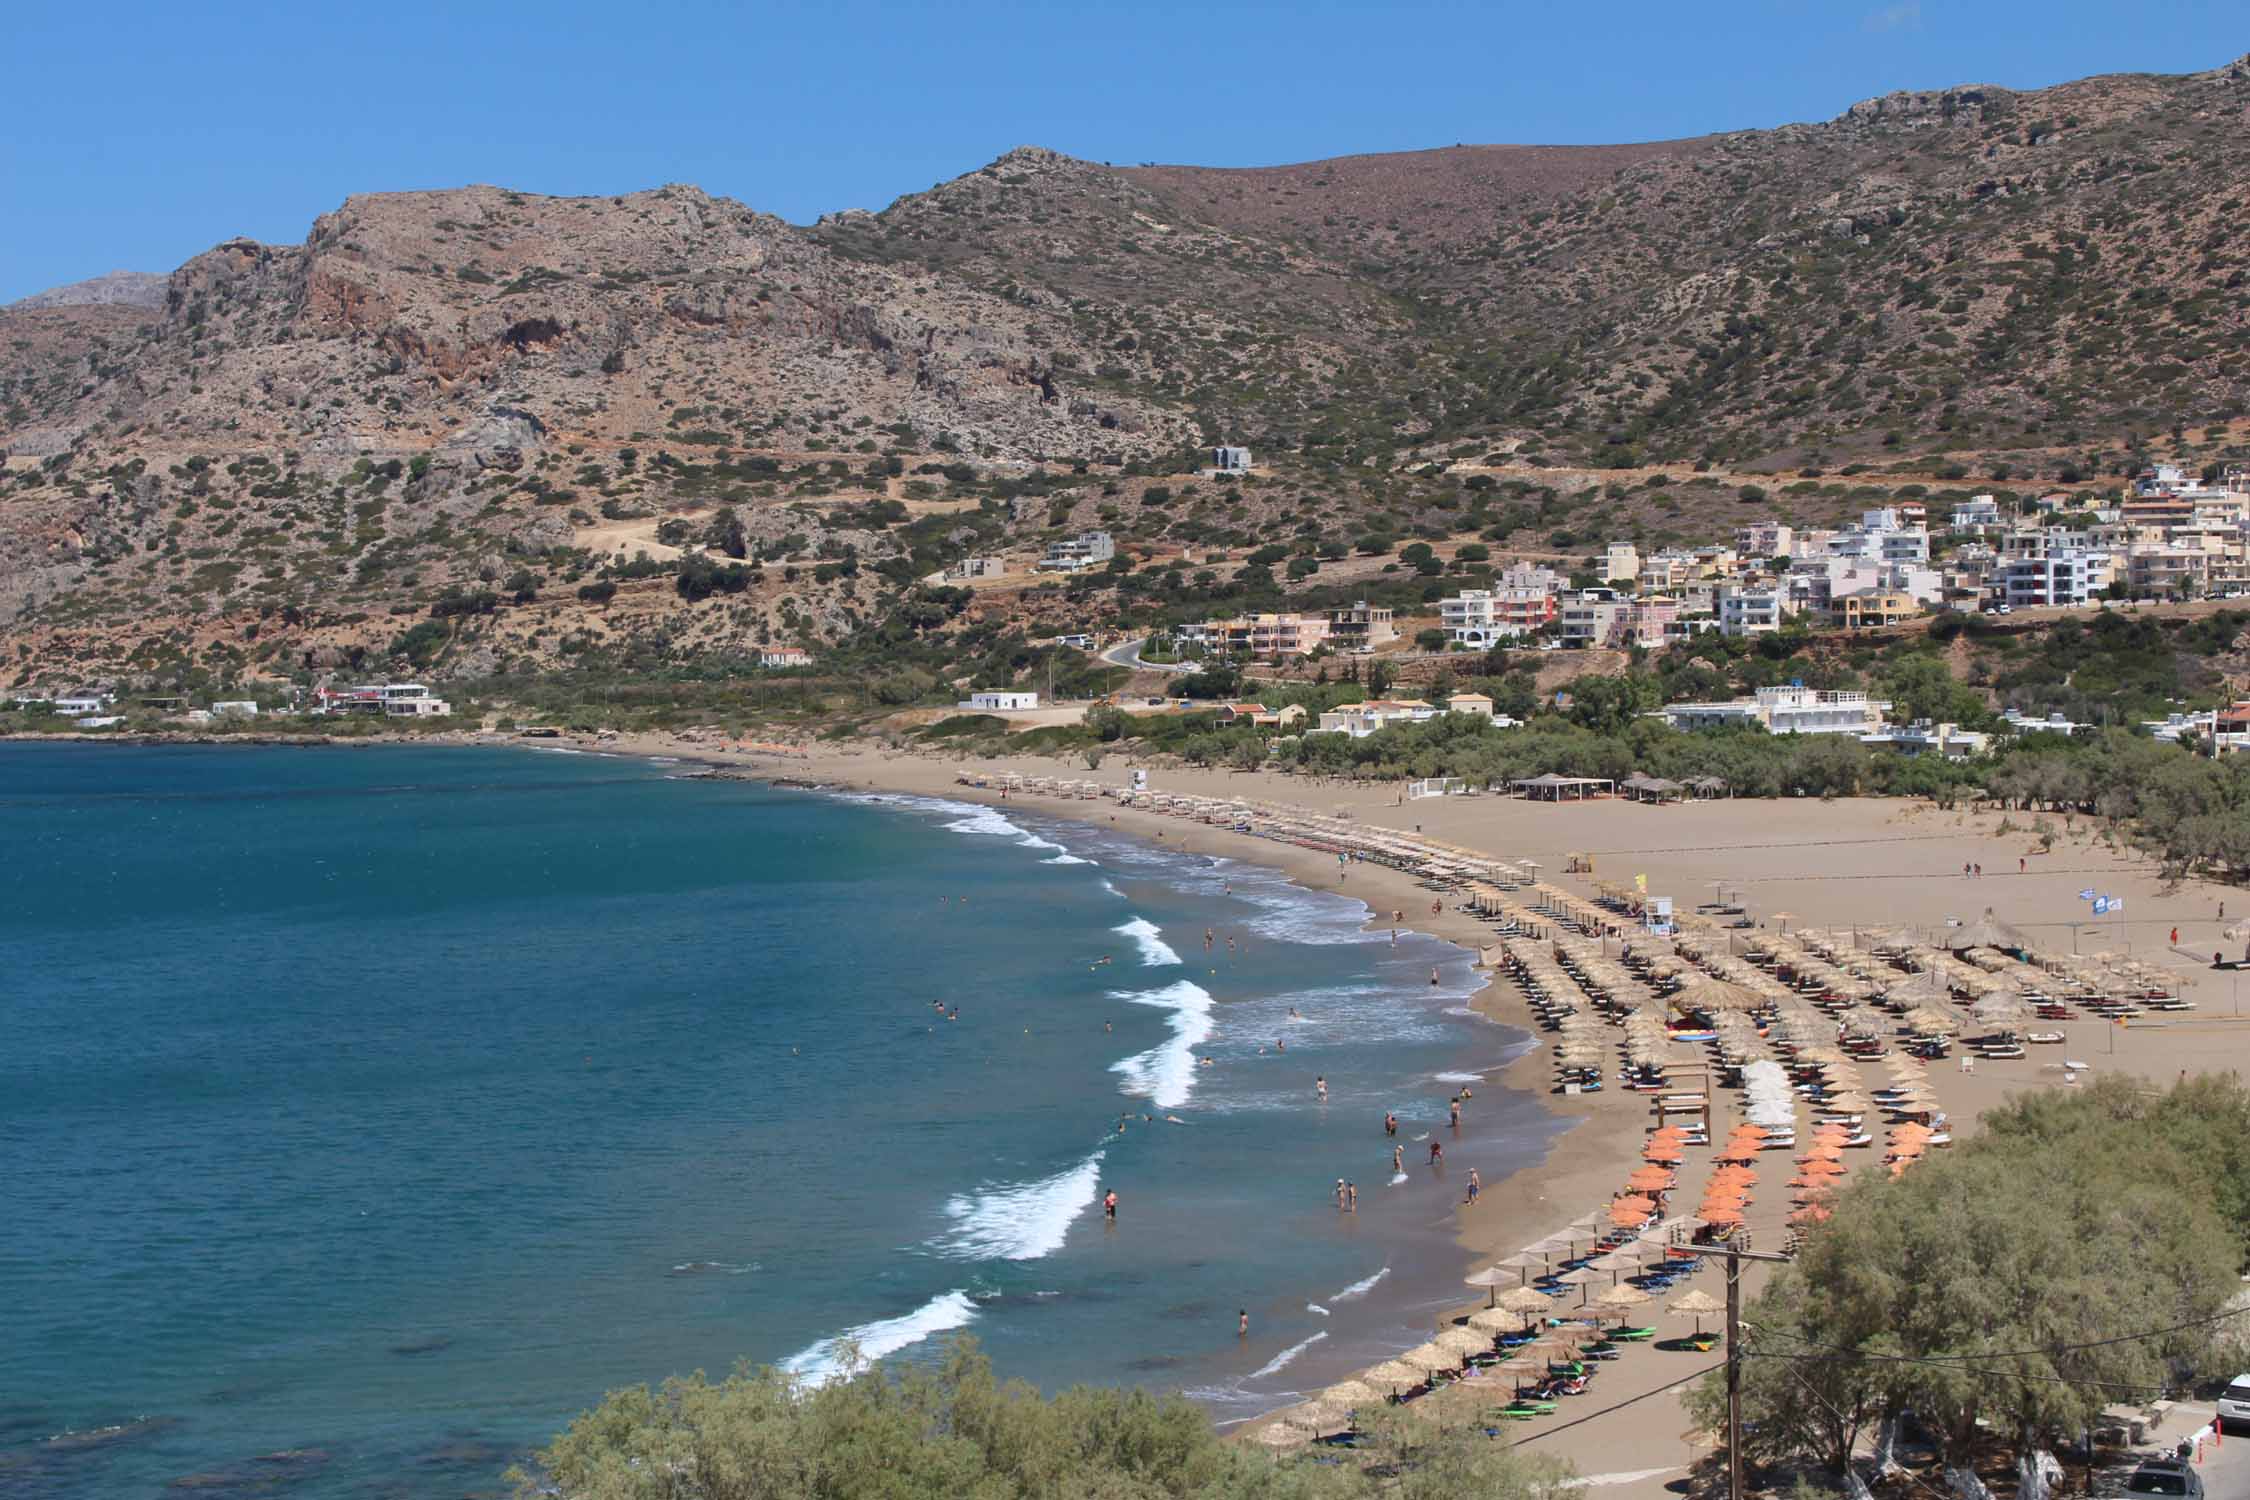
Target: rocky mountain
{"type": "Point", "coordinates": [437, 392]}
{"type": "Point", "coordinates": [116, 289]}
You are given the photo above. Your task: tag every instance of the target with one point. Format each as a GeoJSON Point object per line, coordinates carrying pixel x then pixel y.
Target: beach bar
{"type": "Point", "coordinates": [1558, 788]}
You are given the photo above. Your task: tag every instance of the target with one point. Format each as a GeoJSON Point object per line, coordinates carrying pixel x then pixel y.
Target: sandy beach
{"type": "Point", "coordinates": [1798, 863]}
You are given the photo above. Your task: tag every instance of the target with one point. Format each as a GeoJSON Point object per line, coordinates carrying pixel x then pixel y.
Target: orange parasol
{"type": "Point", "coordinates": [1651, 1179]}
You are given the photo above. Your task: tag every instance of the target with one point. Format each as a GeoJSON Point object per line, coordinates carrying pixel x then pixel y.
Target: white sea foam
{"type": "Point", "coordinates": [982, 820]}
{"type": "Point", "coordinates": [1368, 1284]}
{"type": "Point", "coordinates": [1149, 938]}
{"type": "Point", "coordinates": [1024, 1221]}
{"type": "Point", "coordinates": [1314, 1307]}
{"type": "Point", "coordinates": [1397, 1178]}
{"type": "Point", "coordinates": [825, 1361]}
{"type": "Point", "coordinates": [714, 1268]}
{"type": "Point", "coordinates": [1111, 887]}
{"type": "Point", "coordinates": [1458, 1077]}
{"type": "Point", "coordinates": [1281, 1361]}
{"type": "Point", "coordinates": [1166, 1073]}
{"type": "Point", "coordinates": [1066, 859]}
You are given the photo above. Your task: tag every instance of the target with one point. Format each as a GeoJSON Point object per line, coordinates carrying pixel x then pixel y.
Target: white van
{"type": "Point", "coordinates": [2234, 1403]}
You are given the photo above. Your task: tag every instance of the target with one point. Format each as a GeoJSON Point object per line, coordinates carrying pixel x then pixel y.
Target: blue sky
{"type": "Point", "coordinates": [136, 135]}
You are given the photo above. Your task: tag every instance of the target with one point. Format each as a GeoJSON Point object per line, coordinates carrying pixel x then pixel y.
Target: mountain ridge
{"type": "Point", "coordinates": [435, 390]}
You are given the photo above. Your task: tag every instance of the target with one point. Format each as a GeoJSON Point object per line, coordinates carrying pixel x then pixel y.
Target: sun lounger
{"type": "Point", "coordinates": [1633, 1335]}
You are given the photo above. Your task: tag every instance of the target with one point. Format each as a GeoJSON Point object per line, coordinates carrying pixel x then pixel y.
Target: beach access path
{"type": "Point", "coordinates": [1827, 863]}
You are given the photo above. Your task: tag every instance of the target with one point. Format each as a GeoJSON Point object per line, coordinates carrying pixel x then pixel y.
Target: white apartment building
{"type": "Point", "coordinates": [1084, 550]}
{"type": "Point", "coordinates": [1589, 616]}
{"type": "Point", "coordinates": [1359, 720]}
{"type": "Point", "coordinates": [2067, 576]}
{"type": "Point", "coordinates": [1622, 563]}
{"type": "Point", "coordinates": [1976, 514]}
{"type": "Point", "coordinates": [1785, 710]}
{"type": "Point", "coordinates": [1764, 539]}
{"type": "Point", "coordinates": [1745, 612]}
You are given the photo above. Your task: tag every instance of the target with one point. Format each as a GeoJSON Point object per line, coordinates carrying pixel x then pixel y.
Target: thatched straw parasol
{"type": "Point", "coordinates": [1526, 1303]}
{"type": "Point", "coordinates": [1280, 1434]}
{"type": "Point", "coordinates": [1394, 1376]}
{"type": "Point", "coordinates": [1698, 1304]}
{"type": "Point", "coordinates": [1465, 1341]}
{"type": "Point", "coordinates": [1351, 1393]}
{"type": "Point", "coordinates": [1987, 931]}
{"type": "Point", "coordinates": [1715, 996]}
{"type": "Point", "coordinates": [1621, 1298]}
{"type": "Point", "coordinates": [1431, 1357]}
{"type": "Point", "coordinates": [2004, 1011]}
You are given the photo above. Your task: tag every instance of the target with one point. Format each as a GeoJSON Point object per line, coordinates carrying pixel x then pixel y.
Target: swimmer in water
{"type": "Point", "coordinates": [1351, 1197]}
{"type": "Point", "coordinates": [1320, 1087]}
{"type": "Point", "coordinates": [1433, 976]}
{"type": "Point", "coordinates": [1456, 1114]}
{"type": "Point", "coordinates": [1293, 1014]}
{"type": "Point", "coordinates": [1390, 1123]}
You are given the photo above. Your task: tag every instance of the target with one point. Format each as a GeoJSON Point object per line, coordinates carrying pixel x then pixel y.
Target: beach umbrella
{"type": "Point", "coordinates": [1820, 1167]}
{"type": "Point", "coordinates": [1280, 1434]}
{"type": "Point", "coordinates": [1395, 1376]}
{"type": "Point", "coordinates": [1351, 1393]}
{"type": "Point", "coordinates": [1714, 996]}
{"type": "Point", "coordinates": [1497, 1319]}
{"type": "Point", "coordinates": [1987, 931]}
{"type": "Point", "coordinates": [1650, 1178]}
{"type": "Point", "coordinates": [1637, 1204]}
{"type": "Point", "coordinates": [1430, 1357]}
{"type": "Point", "coordinates": [1465, 1341]}
{"type": "Point", "coordinates": [1663, 1155]}
{"type": "Point", "coordinates": [1620, 1299]}
{"type": "Point", "coordinates": [1721, 1217]}
{"type": "Point", "coordinates": [1697, 1304]}
{"type": "Point", "coordinates": [1490, 1278]}
{"type": "Point", "coordinates": [2004, 1011]}
{"type": "Point", "coordinates": [1526, 1303]}
{"type": "Point", "coordinates": [1811, 1213]}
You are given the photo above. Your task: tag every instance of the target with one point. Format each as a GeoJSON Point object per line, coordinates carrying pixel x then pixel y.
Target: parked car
{"type": "Point", "coordinates": [2166, 1476]}
{"type": "Point", "coordinates": [2234, 1403]}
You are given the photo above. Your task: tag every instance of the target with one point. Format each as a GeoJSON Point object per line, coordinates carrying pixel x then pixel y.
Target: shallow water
{"type": "Point", "coordinates": [367, 1113]}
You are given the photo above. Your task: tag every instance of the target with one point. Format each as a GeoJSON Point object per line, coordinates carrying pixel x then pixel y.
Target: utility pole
{"type": "Point", "coordinates": [1735, 1258]}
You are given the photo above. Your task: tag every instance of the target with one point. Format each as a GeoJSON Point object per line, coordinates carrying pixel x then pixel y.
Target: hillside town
{"type": "Point", "coordinates": [2167, 536]}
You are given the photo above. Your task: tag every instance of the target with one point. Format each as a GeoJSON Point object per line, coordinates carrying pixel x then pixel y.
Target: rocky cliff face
{"type": "Point", "coordinates": [117, 289]}
{"type": "Point", "coordinates": [434, 387]}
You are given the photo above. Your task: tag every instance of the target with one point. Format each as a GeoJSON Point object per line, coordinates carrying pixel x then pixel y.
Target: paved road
{"type": "Point", "coordinates": [1128, 654]}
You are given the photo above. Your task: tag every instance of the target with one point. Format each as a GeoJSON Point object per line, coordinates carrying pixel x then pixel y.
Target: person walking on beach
{"type": "Point", "coordinates": [2175, 937]}
{"type": "Point", "coordinates": [1475, 1186]}
{"type": "Point", "coordinates": [1351, 1197]}
{"type": "Point", "coordinates": [1398, 1160]}
{"type": "Point", "coordinates": [1339, 1193]}
{"type": "Point", "coordinates": [2021, 867]}
{"type": "Point", "coordinates": [1242, 1324]}
{"type": "Point", "coordinates": [1437, 1152]}
{"type": "Point", "coordinates": [1456, 1107]}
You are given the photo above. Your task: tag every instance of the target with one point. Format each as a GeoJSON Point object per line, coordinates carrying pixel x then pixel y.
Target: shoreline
{"type": "Point", "coordinates": [1852, 862]}
{"type": "Point", "coordinates": [1588, 1149]}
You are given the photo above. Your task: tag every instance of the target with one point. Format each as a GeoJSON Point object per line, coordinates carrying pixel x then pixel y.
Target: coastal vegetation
{"type": "Point", "coordinates": [953, 1430]}
{"type": "Point", "coordinates": [2080, 1251]}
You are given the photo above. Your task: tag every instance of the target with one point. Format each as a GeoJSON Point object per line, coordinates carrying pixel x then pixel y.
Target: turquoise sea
{"type": "Point", "coordinates": [365, 1114]}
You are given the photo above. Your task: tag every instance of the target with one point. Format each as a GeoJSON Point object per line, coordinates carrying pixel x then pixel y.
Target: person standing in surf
{"type": "Point", "coordinates": [1109, 1200]}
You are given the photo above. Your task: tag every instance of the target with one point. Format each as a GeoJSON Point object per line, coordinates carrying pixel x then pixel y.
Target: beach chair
{"type": "Point", "coordinates": [1633, 1335]}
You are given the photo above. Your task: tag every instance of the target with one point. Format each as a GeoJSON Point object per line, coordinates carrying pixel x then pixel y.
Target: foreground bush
{"type": "Point", "coordinates": [954, 1432]}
